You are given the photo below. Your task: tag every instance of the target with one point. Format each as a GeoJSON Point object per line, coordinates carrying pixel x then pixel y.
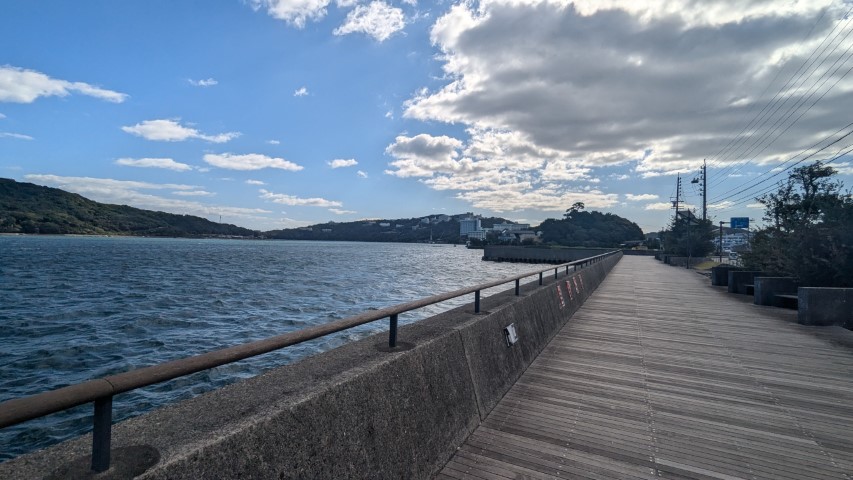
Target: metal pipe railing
{"type": "Point", "coordinates": [101, 391]}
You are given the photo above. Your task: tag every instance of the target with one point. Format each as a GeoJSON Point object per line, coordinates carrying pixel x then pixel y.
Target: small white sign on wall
{"type": "Point", "coordinates": [510, 334]}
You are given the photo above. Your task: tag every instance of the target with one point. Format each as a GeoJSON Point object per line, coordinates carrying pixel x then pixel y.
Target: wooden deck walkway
{"type": "Point", "coordinates": [660, 375]}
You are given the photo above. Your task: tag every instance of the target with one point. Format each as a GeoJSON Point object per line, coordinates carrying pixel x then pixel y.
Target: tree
{"type": "Point", "coordinates": [576, 207]}
{"type": "Point", "coordinates": [689, 236]}
{"type": "Point", "coordinates": [810, 230]}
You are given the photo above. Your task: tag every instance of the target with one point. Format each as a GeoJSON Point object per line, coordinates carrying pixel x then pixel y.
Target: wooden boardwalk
{"type": "Point", "coordinates": [661, 375]}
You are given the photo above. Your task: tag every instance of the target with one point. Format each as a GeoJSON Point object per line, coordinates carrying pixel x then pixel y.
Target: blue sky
{"type": "Point", "coordinates": [273, 113]}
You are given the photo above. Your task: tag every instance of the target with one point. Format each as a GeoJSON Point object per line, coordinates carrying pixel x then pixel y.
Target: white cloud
{"type": "Point", "coordinates": [166, 163]}
{"type": "Point", "coordinates": [338, 211]}
{"type": "Point", "coordinates": [294, 12]}
{"type": "Point", "coordinates": [19, 85]}
{"type": "Point", "coordinates": [378, 20]}
{"type": "Point", "coordinates": [172, 131]}
{"type": "Point", "coordinates": [297, 201]}
{"type": "Point", "coordinates": [300, 92]}
{"type": "Point", "coordinates": [423, 155]}
{"type": "Point", "coordinates": [341, 163]}
{"type": "Point", "coordinates": [251, 161]}
{"type": "Point", "coordinates": [641, 197]}
{"type": "Point", "coordinates": [503, 200]}
{"type": "Point", "coordinates": [124, 192]}
{"type": "Point", "coordinates": [255, 182]}
{"type": "Point", "coordinates": [2, 116]}
{"type": "Point", "coordinates": [361, 174]}
{"type": "Point", "coordinates": [209, 82]}
{"type": "Point", "coordinates": [19, 136]}
{"type": "Point", "coordinates": [497, 170]}
{"type": "Point", "coordinates": [615, 82]}
{"type": "Point", "coordinates": [668, 206]}
{"type": "Point", "coordinates": [193, 193]}
{"type": "Point", "coordinates": [97, 185]}
{"type": "Point", "coordinates": [658, 206]}
{"type": "Point", "coordinates": [273, 142]}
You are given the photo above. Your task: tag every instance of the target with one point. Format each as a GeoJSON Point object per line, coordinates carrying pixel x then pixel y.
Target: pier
{"type": "Point", "coordinates": [659, 375]}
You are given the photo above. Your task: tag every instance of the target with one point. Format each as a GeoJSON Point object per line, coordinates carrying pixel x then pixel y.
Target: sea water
{"type": "Point", "coordinates": [77, 308]}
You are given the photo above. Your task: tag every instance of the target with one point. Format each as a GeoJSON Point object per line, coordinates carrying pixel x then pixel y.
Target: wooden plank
{"type": "Point", "coordinates": [661, 375]}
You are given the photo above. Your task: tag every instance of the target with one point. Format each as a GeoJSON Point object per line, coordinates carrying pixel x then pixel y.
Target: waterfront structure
{"type": "Point", "coordinates": [478, 234]}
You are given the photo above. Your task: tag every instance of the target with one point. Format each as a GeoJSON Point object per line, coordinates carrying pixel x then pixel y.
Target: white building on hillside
{"type": "Point", "coordinates": [469, 225]}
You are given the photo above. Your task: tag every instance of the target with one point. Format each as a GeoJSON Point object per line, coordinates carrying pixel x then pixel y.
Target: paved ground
{"type": "Point", "coordinates": [661, 375]}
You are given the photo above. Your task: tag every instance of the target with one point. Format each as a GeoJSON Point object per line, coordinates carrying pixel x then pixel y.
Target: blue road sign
{"type": "Point", "coordinates": [739, 222]}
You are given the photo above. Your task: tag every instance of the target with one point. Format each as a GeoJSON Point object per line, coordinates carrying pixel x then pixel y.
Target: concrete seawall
{"type": "Point", "coordinates": [356, 411]}
{"type": "Point", "coordinates": [509, 253]}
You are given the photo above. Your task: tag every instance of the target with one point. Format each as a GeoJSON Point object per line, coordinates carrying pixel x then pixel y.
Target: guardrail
{"type": "Point", "coordinates": [101, 391]}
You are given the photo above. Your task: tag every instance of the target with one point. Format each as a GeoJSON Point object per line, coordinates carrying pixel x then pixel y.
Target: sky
{"type": "Point", "coordinates": [272, 113]}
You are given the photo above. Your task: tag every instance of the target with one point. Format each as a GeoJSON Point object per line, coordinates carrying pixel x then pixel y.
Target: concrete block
{"type": "Point", "coordinates": [825, 306]}
{"type": "Point", "coordinates": [767, 287]}
{"type": "Point", "coordinates": [720, 275]}
{"type": "Point", "coordinates": [738, 279]}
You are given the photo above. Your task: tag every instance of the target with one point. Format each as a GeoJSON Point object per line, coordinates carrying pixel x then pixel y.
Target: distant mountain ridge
{"type": "Point", "coordinates": [30, 208]}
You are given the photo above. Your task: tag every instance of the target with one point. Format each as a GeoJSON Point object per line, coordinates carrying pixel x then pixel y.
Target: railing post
{"type": "Point", "coordinates": [567, 269]}
{"type": "Point", "coordinates": [555, 274]}
{"type": "Point", "coordinates": [103, 420]}
{"type": "Point", "coordinates": [540, 278]}
{"type": "Point", "coordinates": [392, 333]}
{"type": "Point", "coordinates": [477, 301]}
{"type": "Point", "coordinates": [517, 287]}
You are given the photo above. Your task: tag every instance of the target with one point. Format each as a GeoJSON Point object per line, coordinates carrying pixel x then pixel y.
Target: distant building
{"type": "Point", "coordinates": [442, 218]}
{"type": "Point", "coordinates": [468, 225]}
{"type": "Point", "coordinates": [511, 226]}
{"type": "Point", "coordinates": [326, 230]}
{"type": "Point", "coordinates": [384, 224]}
{"type": "Point", "coordinates": [425, 220]}
{"type": "Point", "coordinates": [478, 234]}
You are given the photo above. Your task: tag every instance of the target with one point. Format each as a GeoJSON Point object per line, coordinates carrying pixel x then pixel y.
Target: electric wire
{"type": "Point", "coordinates": [777, 102]}
{"type": "Point", "coordinates": [801, 115]}
{"type": "Point", "coordinates": [844, 151]}
{"type": "Point", "coordinates": [778, 72]}
{"type": "Point", "coordinates": [829, 73]}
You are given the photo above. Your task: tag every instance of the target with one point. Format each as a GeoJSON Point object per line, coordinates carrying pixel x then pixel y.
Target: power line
{"type": "Point", "coordinates": [739, 140]}
{"type": "Point", "coordinates": [790, 167]}
{"type": "Point", "coordinates": [799, 103]}
{"type": "Point", "coordinates": [778, 72]}
{"type": "Point", "coordinates": [739, 201]}
{"type": "Point", "coordinates": [800, 116]}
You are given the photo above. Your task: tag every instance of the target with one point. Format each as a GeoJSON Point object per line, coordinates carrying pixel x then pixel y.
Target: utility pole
{"type": "Point", "coordinates": [702, 180]}
{"type": "Point", "coordinates": [677, 202]}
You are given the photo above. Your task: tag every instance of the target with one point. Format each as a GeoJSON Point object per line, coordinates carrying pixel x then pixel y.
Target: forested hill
{"type": "Point", "coordinates": [29, 208]}
{"type": "Point", "coordinates": [441, 228]}
{"type": "Point", "coordinates": [590, 229]}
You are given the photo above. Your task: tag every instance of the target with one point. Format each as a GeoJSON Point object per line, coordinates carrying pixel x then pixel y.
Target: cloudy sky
{"type": "Point", "coordinates": [275, 113]}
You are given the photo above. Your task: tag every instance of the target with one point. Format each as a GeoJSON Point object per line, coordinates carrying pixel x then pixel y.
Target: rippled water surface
{"type": "Point", "coordinates": [77, 308]}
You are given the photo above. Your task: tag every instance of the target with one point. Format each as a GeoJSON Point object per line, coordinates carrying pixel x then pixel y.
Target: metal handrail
{"type": "Point", "coordinates": [101, 390]}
